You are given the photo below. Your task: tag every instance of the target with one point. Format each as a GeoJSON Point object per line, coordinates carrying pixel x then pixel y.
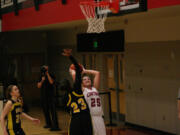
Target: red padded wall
{"type": "Point", "coordinates": [55, 12]}
{"type": "Point", "coordinates": [49, 13]}
{"type": "Point", "coordinates": [162, 3]}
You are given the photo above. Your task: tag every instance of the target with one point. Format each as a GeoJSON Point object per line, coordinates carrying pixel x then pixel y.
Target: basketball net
{"type": "Point", "coordinates": [94, 15]}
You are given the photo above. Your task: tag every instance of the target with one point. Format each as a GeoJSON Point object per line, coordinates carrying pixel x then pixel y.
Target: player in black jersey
{"type": "Point", "coordinates": [13, 111]}
{"type": "Point", "coordinates": [80, 116]}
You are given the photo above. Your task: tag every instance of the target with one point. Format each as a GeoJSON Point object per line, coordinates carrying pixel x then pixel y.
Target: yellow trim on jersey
{"type": "Point", "coordinates": [77, 95]}
{"type": "Point", "coordinates": [15, 104]}
{"type": "Point", "coordinates": [69, 100]}
{"type": "Point", "coordinates": [10, 122]}
{"type": "Point", "coordinates": [11, 132]}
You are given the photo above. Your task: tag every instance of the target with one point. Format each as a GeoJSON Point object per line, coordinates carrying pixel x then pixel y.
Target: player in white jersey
{"type": "Point", "coordinates": [93, 99]}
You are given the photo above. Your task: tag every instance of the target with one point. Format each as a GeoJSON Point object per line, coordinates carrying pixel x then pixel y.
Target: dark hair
{"type": "Point", "coordinates": [9, 90]}
{"type": "Point", "coordinates": [86, 75]}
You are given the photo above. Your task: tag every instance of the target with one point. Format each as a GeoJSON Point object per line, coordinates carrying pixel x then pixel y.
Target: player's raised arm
{"type": "Point", "coordinates": [78, 70]}
{"type": "Point", "coordinates": [96, 77]}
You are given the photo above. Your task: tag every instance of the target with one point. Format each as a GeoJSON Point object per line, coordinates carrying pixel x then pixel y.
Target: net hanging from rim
{"type": "Point", "coordinates": [94, 16]}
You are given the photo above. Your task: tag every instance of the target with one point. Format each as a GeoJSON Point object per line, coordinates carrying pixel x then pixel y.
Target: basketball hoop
{"type": "Point", "coordinates": [96, 11]}
{"type": "Point", "coordinates": [94, 16]}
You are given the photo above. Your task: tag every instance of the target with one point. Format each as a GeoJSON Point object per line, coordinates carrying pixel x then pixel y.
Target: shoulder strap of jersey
{"type": "Point", "coordinates": [12, 101]}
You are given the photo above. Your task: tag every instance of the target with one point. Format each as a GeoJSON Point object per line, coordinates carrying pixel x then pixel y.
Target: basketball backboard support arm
{"type": "Point", "coordinates": [36, 5]}
{"type": "Point", "coordinates": [128, 6]}
{"type": "Point", "coordinates": [16, 8]}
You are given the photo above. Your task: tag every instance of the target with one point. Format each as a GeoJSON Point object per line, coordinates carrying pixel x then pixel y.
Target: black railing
{"type": "Point", "coordinates": [110, 109]}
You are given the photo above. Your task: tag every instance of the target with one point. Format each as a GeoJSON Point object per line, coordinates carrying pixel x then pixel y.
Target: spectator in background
{"type": "Point", "coordinates": [46, 83]}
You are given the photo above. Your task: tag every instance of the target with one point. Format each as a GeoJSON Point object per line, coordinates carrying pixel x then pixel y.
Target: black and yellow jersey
{"type": "Point", "coordinates": [77, 103]}
{"type": "Point", "coordinates": [74, 98]}
{"type": "Point", "coordinates": [13, 117]}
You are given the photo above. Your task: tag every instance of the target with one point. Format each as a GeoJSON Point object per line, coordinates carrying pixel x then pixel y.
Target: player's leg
{"type": "Point", "coordinates": [95, 129]}
{"type": "Point", "coordinates": [98, 125]}
{"type": "Point", "coordinates": [86, 124]}
{"type": "Point", "coordinates": [75, 126]}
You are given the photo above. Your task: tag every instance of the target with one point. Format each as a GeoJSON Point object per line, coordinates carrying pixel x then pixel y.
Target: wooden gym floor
{"type": "Point", "coordinates": [31, 129]}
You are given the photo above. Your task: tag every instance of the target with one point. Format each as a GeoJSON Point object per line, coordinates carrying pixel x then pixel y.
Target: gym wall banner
{"type": "Point", "coordinates": [53, 12]}
{"type": "Point", "coordinates": [162, 3]}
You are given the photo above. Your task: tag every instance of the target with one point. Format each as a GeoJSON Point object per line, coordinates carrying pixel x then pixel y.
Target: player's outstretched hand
{"type": "Point", "coordinates": [36, 121]}
{"type": "Point", "coordinates": [83, 70]}
{"type": "Point", "coordinates": [67, 52]}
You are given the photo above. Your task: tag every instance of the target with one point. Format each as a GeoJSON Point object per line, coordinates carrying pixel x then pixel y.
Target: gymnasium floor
{"type": "Point", "coordinates": [31, 129]}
